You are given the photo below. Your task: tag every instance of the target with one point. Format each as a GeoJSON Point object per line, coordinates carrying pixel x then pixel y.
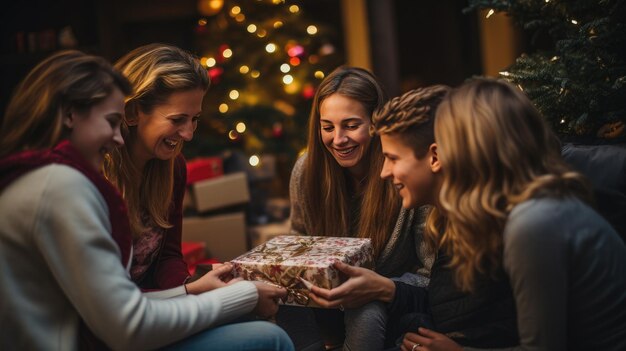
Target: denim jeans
{"type": "Point", "coordinates": [246, 336]}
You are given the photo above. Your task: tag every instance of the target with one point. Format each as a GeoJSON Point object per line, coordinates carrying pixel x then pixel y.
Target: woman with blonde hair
{"type": "Point", "coordinates": [161, 114]}
{"type": "Point", "coordinates": [335, 190]}
{"type": "Point", "coordinates": [511, 204]}
{"type": "Point", "coordinates": [65, 241]}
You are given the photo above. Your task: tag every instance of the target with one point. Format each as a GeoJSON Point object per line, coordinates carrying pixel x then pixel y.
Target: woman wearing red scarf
{"type": "Point", "coordinates": [65, 241]}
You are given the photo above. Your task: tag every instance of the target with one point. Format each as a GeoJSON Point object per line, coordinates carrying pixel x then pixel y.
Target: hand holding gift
{"type": "Point", "coordinates": [363, 286]}
{"type": "Point", "coordinates": [269, 294]}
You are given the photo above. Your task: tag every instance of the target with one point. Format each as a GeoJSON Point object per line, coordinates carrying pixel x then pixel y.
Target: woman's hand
{"type": "Point", "coordinates": [427, 339]}
{"type": "Point", "coordinates": [212, 279]}
{"type": "Point", "coordinates": [363, 286]}
{"type": "Point", "coordinates": [267, 305]}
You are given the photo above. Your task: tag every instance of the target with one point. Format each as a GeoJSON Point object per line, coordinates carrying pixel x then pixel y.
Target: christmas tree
{"type": "Point", "coordinates": [578, 79]}
{"type": "Point", "coordinates": [265, 59]}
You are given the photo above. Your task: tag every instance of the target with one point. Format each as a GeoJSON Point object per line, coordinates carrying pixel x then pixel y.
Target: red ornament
{"type": "Point", "coordinates": [215, 74]}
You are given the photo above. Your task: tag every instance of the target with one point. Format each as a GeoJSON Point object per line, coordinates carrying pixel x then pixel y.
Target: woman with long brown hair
{"type": "Point", "coordinates": [335, 189]}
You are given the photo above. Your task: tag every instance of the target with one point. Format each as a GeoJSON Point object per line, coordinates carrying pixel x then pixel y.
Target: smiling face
{"type": "Point", "coordinates": [417, 180]}
{"type": "Point", "coordinates": [345, 126]}
{"type": "Point", "coordinates": [96, 131]}
{"type": "Point", "coordinates": [161, 132]}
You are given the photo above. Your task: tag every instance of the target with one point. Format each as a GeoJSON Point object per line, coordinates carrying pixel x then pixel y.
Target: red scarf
{"type": "Point", "coordinates": [18, 164]}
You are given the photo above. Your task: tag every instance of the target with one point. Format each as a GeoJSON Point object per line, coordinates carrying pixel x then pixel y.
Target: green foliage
{"type": "Point", "coordinates": [579, 82]}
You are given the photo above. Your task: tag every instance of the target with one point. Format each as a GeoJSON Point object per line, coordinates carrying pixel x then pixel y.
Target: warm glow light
{"type": "Point", "coordinates": [227, 53]}
{"type": "Point", "coordinates": [235, 11]}
{"type": "Point", "coordinates": [491, 12]}
{"type": "Point", "coordinates": [505, 74]}
{"type": "Point", "coordinates": [311, 30]}
{"type": "Point", "coordinates": [202, 22]}
{"type": "Point", "coordinates": [319, 74]}
{"type": "Point", "coordinates": [240, 127]}
{"type": "Point", "coordinates": [261, 33]}
{"type": "Point", "coordinates": [255, 74]}
{"type": "Point", "coordinates": [210, 62]}
{"type": "Point", "coordinates": [210, 7]}
{"type": "Point", "coordinates": [233, 95]}
{"type": "Point", "coordinates": [254, 160]}
{"type": "Point", "coordinates": [294, 8]}
{"type": "Point", "coordinates": [285, 68]}
{"type": "Point", "coordinates": [287, 79]}
{"type": "Point", "coordinates": [292, 88]}
{"type": "Point", "coordinates": [251, 28]}
{"type": "Point", "coordinates": [301, 152]}
{"type": "Point", "coordinates": [203, 61]}
{"type": "Point", "coordinates": [278, 24]}
{"type": "Point", "coordinates": [294, 61]}
{"type": "Point", "coordinates": [574, 22]}
{"type": "Point", "coordinates": [562, 121]}
{"type": "Point", "coordinates": [232, 135]}
{"type": "Point", "coordinates": [223, 108]}
{"type": "Point", "coordinates": [271, 47]}
{"type": "Point", "coordinates": [240, 17]}
{"type": "Point", "coordinates": [554, 58]}
{"type": "Point", "coordinates": [244, 69]}
{"type": "Point", "coordinates": [313, 59]}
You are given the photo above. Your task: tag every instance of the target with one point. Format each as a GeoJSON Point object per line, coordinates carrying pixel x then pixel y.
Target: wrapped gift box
{"type": "Point", "coordinates": [224, 235]}
{"type": "Point", "coordinates": [193, 252]}
{"type": "Point", "coordinates": [285, 259]}
{"type": "Point", "coordinates": [204, 168]}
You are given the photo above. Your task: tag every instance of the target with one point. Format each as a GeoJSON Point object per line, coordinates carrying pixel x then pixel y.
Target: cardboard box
{"type": "Point", "coordinates": [260, 234]}
{"type": "Point", "coordinates": [285, 259]}
{"type": "Point", "coordinates": [224, 234]}
{"type": "Point", "coordinates": [211, 194]}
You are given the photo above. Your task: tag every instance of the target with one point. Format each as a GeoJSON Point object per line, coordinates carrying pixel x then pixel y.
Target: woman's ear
{"type": "Point", "coordinates": [68, 119]}
{"type": "Point", "coordinates": [132, 115]}
{"type": "Point", "coordinates": [435, 166]}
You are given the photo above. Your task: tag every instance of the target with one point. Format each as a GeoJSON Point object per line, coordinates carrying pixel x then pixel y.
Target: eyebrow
{"type": "Point", "coordinates": [349, 119]}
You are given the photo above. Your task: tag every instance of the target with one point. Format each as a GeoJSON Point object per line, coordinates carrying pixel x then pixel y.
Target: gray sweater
{"type": "Point", "coordinates": [405, 245]}
{"type": "Point", "coordinates": [567, 269]}
{"type": "Point", "coordinates": [58, 264]}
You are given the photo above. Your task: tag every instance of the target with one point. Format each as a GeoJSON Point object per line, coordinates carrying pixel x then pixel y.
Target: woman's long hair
{"type": "Point", "coordinates": [326, 183]}
{"type": "Point", "coordinates": [496, 151]}
{"type": "Point", "coordinates": [68, 79]}
{"type": "Point", "coordinates": [156, 71]}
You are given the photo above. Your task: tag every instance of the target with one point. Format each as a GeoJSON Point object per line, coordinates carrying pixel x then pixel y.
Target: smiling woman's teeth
{"type": "Point", "coordinates": [170, 142]}
{"type": "Point", "coordinates": [344, 152]}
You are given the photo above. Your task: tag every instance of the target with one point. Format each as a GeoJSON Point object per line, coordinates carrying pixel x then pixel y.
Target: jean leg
{"type": "Point", "coordinates": [365, 327]}
{"type": "Point", "coordinates": [248, 336]}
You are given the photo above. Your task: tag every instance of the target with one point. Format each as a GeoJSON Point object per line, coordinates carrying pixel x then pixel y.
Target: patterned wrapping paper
{"type": "Point", "coordinates": [284, 259]}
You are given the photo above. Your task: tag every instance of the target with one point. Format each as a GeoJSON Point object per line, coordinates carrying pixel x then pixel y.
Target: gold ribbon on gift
{"type": "Point", "coordinates": [293, 293]}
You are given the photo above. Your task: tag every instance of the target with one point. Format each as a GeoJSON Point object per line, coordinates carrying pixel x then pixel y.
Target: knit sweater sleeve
{"type": "Point", "coordinates": [298, 215]}
{"type": "Point", "coordinates": [75, 243]}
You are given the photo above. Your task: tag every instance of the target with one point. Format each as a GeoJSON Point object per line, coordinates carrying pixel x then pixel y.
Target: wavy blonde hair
{"type": "Point", "coordinates": [156, 71]}
{"type": "Point", "coordinates": [496, 151]}
{"type": "Point", "coordinates": [67, 79]}
{"type": "Point", "coordinates": [326, 183]}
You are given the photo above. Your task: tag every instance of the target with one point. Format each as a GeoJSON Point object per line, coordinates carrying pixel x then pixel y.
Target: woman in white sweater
{"type": "Point", "coordinates": [65, 237]}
